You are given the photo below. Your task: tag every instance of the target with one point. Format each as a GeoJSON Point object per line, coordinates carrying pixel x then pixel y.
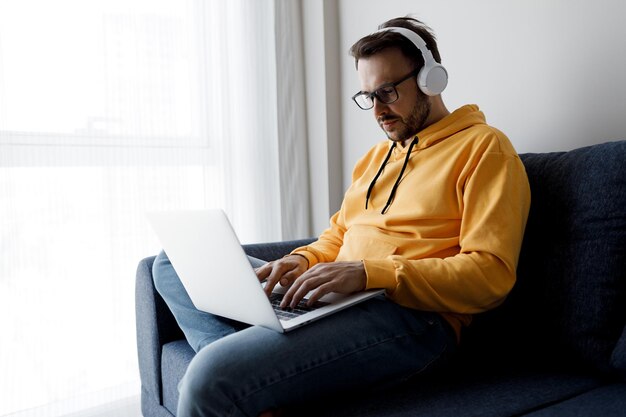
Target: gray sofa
{"type": "Point", "coordinates": [556, 347]}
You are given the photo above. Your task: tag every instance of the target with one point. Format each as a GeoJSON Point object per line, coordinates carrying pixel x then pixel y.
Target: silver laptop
{"type": "Point", "coordinates": [219, 278]}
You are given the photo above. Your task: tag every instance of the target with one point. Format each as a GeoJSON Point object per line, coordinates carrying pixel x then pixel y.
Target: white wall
{"type": "Point", "coordinates": [550, 74]}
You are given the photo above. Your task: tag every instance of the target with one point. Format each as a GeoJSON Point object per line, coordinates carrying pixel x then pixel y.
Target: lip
{"type": "Point", "coordinates": [387, 124]}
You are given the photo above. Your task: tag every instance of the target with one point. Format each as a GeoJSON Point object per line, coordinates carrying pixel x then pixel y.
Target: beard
{"type": "Point", "coordinates": [409, 126]}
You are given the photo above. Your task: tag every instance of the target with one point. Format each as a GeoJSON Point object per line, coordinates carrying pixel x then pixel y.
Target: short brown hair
{"type": "Point", "coordinates": [376, 42]}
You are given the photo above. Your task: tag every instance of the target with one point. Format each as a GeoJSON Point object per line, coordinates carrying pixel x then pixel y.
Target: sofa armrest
{"type": "Point", "coordinates": [155, 327]}
{"type": "Point", "coordinates": [274, 250]}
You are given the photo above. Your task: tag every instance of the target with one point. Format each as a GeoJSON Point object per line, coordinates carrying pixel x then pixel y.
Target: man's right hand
{"type": "Point", "coordinates": [284, 270]}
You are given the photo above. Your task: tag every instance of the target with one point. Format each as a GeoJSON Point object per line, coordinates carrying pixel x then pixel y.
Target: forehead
{"type": "Point", "coordinates": [387, 66]}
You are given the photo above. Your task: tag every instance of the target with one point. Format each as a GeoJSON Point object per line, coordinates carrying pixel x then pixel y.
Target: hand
{"type": "Point", "coordinates": [284, 270]}
{"type": "Point", "coordinates": [339, 277]}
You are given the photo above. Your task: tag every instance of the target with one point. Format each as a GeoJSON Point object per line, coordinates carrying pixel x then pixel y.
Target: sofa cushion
{"type": "Point", "coordinates": [569, 302]}
{"type": "Point", "coordinates": [606, 401]}
{"type": "Point", "coordinates": [175, 359]}
{"type": "Point", "coordinates": [455, 395]}
{"type": "Point", "coordinates": [618, 359]}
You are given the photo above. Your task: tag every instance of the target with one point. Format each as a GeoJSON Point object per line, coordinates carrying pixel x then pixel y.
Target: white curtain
{"type": "Point", "coordinates": [109, 109]}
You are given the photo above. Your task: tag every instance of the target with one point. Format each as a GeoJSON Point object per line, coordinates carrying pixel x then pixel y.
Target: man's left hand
{"type": "Point", "coordinates": [323, 278]}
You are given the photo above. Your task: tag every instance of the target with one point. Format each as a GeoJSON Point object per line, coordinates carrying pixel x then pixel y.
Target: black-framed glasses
{"type": "Point", "coordinates": [386, 93]}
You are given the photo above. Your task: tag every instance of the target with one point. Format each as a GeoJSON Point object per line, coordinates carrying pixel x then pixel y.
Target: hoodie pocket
{"type": "Point", "coordinates": [359, 244]}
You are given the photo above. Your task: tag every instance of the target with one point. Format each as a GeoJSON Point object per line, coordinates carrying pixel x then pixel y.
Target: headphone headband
{"type": "Point", "coordinates": [432, 78]}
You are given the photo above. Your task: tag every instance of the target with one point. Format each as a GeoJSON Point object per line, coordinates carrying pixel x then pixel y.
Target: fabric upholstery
{"type": "Point", "coordinates": [274, 250]}
{"type": "Point", "coordinates": [155, 324]}
{"type": "Point", "coordinates": [611, 400]}
{"type": "Point", "coordinates": [569, 302]}
{"type": "Point", "coordinates": [486, 395]}
{"type": "Point", "coordinates": [174, 361]}
{"type": "Point", "coordinates": [618, 359]}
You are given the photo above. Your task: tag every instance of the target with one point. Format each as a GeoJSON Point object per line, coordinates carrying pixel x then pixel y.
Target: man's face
{"type": "Point", "coordinates": [403, 118]}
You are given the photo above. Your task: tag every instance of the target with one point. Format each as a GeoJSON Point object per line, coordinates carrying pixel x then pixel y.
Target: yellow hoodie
{"type": "Point", "coordinates": [450, 240]}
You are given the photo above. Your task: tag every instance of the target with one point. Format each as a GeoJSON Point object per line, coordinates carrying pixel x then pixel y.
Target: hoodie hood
{"type": "Point", "coordinates": [461, 119]}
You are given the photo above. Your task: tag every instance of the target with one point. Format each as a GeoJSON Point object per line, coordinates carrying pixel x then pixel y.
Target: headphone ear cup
{"type": "Point", "coordinates": [433, 79]}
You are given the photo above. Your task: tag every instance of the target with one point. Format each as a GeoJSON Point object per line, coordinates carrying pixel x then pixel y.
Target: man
{"type": "Point", "coordinates": [434, 215]}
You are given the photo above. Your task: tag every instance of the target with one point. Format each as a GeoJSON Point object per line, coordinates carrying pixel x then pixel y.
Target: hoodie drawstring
{"type": "Point", "coordinates": [395, 185]}
{"type": "Point", "coordinates": [380, 171]}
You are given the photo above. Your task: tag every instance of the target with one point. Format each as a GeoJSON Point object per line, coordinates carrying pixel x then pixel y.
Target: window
{"type": "Point", "coordinates": [109, 109]}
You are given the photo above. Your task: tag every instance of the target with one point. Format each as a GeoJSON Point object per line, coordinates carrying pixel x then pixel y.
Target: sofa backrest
{"type": "Point", "coordinates": [569, 302]}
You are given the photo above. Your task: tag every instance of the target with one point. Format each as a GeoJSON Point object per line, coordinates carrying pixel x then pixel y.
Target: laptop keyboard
{"type": "Point", "coordinates": [291, 313]}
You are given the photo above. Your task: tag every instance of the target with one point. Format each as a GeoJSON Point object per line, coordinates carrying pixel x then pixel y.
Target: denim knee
{"type": "Point", "coordinates": [210, 386]}
{"type": "Point", "coordinates": [160, 271]}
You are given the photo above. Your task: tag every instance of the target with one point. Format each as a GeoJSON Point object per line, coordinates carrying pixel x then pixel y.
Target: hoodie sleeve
{"type": "Point", "coordinates": [326, 248]}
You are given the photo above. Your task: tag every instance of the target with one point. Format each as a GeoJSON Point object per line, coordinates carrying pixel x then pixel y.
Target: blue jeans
{"type": "Point", "coordinates": [242, 370]}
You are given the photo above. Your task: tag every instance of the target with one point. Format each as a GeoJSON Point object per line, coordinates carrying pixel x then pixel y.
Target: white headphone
{"type": "Point", "coordinates": [433, 77]}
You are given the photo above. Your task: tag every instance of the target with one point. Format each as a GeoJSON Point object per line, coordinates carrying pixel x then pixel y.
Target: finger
{"type": "Point", "coordinates": [263, 271]}
{"type": "Point", "coordinates": [321, 291]}
{"type": "Point", "coordinates": [296, 287]}
{"type": "Point", "coordinates": [300, 293]}
{"type": "Point", "coordinates": [303, 288]}
{"type": "Point", "coordinates": [272, 278]}
{"type": "Point", "coordinates": [288, 278]}
{"type": "Point", "coordinates": [288, 296]}
{"type": "Point", "coordinates": [280, 270]}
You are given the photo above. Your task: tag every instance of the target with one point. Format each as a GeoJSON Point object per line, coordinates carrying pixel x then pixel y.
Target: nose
{"type": "Point", "coordinates": [379, 108]}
